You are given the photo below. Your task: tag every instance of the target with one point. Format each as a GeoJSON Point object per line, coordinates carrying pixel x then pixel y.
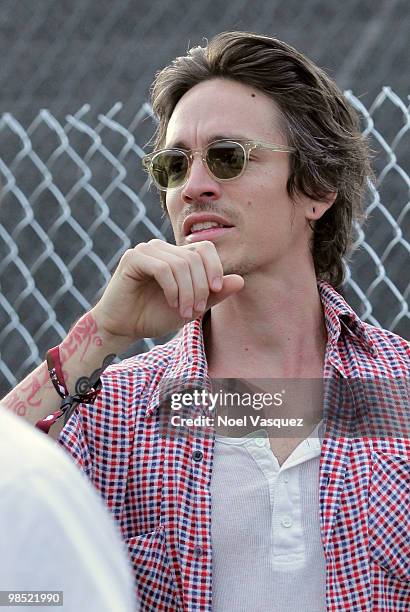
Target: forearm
{"type": "Point", "coordinates": [84, 354]}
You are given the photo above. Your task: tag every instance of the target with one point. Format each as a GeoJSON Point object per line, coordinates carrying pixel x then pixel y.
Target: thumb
{"type": "Point", "coordinates": [232, 283]}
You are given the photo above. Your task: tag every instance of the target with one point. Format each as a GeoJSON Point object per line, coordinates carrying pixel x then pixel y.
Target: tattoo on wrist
{"type": "Point", "coordinates": [85, 383]}
{"type": "Point", "coordinates": [83, 334]}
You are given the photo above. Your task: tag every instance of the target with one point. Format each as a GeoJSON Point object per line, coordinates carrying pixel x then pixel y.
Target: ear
{"type": "Point", "coordinates": [314, 209]}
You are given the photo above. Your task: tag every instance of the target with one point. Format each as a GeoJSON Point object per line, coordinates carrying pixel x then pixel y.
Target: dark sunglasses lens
{"type": "Point", "coordinates": [169, 169]}
{"type": "Point", "coordinates": [225, 159]}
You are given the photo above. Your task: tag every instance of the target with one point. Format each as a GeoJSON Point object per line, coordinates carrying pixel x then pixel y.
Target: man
{"type": "Point", "coordinates": [261, 168]}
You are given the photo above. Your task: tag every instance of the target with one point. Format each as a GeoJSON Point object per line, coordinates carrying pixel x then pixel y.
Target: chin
{"type": "Point", "coordinates": [242, 268]}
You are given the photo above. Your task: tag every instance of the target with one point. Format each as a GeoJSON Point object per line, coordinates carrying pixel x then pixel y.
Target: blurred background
{"type": "Point", "coordinates": [75, 121]}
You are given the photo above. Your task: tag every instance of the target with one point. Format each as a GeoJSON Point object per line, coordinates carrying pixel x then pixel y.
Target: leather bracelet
{"type": "Point", "coordinates": [56, 372]}
{"type": "Point", "coordinates": [67, 401]}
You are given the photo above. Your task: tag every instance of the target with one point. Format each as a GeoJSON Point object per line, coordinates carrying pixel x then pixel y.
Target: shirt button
{"type": "Point", "coordinates": [287, 521]}
{"type": "Point", "coordinates": [286, 478]}
{"type": "Point", "coordinates": [198, 551]}
{"type": "Point", "coordinates": [197, 455]}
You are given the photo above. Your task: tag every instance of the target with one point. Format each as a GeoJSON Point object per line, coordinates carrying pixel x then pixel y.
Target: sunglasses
{"type": "Point", "coordinates": [225, 160]}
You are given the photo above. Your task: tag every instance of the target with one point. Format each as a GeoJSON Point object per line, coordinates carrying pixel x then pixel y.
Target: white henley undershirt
{"type": "Point", "coordinates": [267, 549]}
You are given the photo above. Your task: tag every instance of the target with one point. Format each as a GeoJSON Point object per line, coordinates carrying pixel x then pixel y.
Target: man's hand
{"type": "Point", "coordinates": [157, 287]}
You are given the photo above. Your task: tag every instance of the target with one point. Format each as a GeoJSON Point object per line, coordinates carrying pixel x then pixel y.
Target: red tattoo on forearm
{"type": "Point", "coordinates": [24, 396]}
{"type": "Point", "coordinates": [33, 386]}
{"type": "Point", "coordinates": [84, 333]}
{"type": "Point", "coordinates": [15, 403]}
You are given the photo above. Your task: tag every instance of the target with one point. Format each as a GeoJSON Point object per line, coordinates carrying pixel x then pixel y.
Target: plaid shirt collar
{"type": "Point", "coordinates": [338, 315]}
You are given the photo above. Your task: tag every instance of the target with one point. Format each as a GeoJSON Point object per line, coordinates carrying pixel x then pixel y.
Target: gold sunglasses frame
{"type": "Point", "coordinates": [247, 146]}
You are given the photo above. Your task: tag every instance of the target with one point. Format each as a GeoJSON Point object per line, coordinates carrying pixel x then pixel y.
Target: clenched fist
{"type": "Point", "coordinates": [157, 287]}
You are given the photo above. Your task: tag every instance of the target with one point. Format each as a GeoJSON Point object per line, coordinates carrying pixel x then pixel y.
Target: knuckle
{"type": "Point", "coordinates": [182, 266]}
{"type": "Point", "coordinates": [162, 266]}
{"type": "Point", "coordinates": [208, 251]}
{"type": "Point", "coordinates": [207, 245]}
{"type": "Point", "coordinates": [140, 247]}
{"type": "Point", "coordinates": [195, 257]}
{"type": "Point", "coordinates": [128, 255]}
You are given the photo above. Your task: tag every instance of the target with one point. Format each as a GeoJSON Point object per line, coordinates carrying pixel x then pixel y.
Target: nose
{"type": "Point", "coordinates": [200, 184]}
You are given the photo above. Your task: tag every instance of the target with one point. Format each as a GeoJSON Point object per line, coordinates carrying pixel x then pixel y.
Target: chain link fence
{"type": "Point", "coordinates": [73, 197]}
{"type": "Point", "coordinates": [59, 54]}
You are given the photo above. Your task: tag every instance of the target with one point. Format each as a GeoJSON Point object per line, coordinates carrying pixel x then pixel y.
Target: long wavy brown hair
{"type": "Point", "coordinates": [331, 153]}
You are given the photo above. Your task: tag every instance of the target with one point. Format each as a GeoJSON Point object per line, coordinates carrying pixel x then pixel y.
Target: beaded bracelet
{"type": "Point", "coordinates": [67, 401]}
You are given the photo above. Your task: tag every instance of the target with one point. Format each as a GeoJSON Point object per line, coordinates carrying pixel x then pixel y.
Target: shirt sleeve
{"type": "Point", "coordinates": [100, 436]}
{"type": "Point", "coordinates": [73, 438]}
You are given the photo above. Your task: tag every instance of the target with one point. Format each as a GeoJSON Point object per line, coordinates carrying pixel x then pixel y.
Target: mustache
{"type": "Point", "coordinates": [205, 206]}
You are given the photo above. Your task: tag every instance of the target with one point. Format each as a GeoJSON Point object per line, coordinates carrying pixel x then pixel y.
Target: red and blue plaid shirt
{"type": "Point", "coordinates": [158, 487]}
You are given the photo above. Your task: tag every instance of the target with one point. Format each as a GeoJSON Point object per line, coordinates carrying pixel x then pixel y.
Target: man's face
{"type": "Point", "coordinates": [268, 232]}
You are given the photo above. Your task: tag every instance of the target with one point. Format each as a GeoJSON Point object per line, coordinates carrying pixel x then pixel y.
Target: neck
{"type": "Point", "coordinates": [273, 327]}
